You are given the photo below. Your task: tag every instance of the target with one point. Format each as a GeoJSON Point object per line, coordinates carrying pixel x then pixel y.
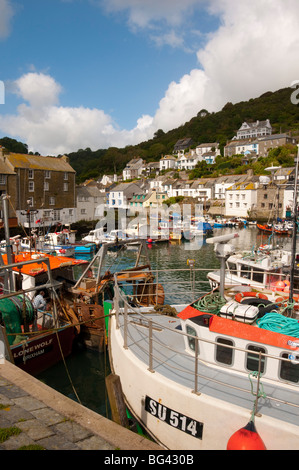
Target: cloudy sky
{"type": "Point", "coordinates": [101, 73]}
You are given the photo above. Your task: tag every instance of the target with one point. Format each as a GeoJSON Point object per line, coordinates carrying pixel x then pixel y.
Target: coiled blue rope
{"type": "Point", "coordinates": [278, 323]}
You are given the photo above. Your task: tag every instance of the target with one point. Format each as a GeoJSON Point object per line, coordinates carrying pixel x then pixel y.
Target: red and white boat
{"type": "Point", "coordinates": [36, 341]}
{"type": "Point", "coordinates": [220, 374]}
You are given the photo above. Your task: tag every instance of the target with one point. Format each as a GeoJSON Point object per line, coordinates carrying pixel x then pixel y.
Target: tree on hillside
{"type": "Point", "coordinates": [13, 145]}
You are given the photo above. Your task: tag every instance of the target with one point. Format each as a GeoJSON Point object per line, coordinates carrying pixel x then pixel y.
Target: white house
{"type": "Point", "coordinates": [187, 161]}
{"type": "Point", "coordinates": [254, 129]}
{"type": "Point", "coordinates": [207, 148]}
{"type": "Point", "coordinates": [133, 169]}
{"type": "Point", "coordinates": [119, 197]}
{"type": "Point", "coordinates": [167, 162]}
{"type": "Point", "coordinates": [240, 198]}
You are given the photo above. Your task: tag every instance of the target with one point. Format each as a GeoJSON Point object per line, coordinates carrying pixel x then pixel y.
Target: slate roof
{"type": "Point", "coordinates": [37, 162]}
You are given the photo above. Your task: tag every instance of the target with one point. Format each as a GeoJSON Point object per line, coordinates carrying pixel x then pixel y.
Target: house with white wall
{"type": "Point", "coordinates": [119, 196]}
{"type": "Point", "coordinates": [133, 169]}
{"type": "Point", "coordinates": [207, 148]}
{"type": "Point", "coordinates": [254, 129]}
{"type": "Point", "coordinates": [240, 198]}
{"type": "Point", "coordinates": [187, 161]}
{"type": "Point", "coordinates": [167, 162]}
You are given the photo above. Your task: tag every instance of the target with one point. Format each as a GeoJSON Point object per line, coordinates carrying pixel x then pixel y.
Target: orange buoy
{"type": "Point", "coordinates": [279, 285]}
{"type": "Point", "coordinates": [246, 438]}
{"type": "Point", "coordinates": [241, 295]}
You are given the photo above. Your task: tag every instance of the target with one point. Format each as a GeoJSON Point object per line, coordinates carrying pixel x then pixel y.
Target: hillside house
{"type": "Point", "coordinates": [89, 198]}
{"type": "Point", "coordinates": [167, 162]}
{"type": "Point", "coordinates": [254, 129]}
{"type": "Point", "coordinates": [119, 197]}
{"type": "Point", "coordinates": [182, 144]}
{"type": "Point", "coordinates": [133, 169]}
{"type": "Point", "coordinates": [276, 140]}
{"type": "Point", "coordinates": [187, 161]}
{"type": "Point", "coordinates": [211, 148]}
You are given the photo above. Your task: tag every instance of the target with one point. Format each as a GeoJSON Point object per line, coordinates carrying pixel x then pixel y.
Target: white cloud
{"type": "Point", "coordinates": [6, 14]}
{"type": "Point", "coordinates": [255, 49]}
{"type": "Point", "coordinates": [145, 13]}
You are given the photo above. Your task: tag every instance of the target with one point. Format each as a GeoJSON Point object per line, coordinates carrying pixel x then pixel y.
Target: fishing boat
{"type": "Point", "coordinates": [215, 374]}
{"type": "Point", "coordinates": [37, 339]}
{"type": "Point", "coordinates": [262, 268]}
{"type": "Point", "coordinates": [63, 242]}
{"type": "Point", "coordinates": [279, 229]}
{"type": "Point", "coordinates": [45, 245]}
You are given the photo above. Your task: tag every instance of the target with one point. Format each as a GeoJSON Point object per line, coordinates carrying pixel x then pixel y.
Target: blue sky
{"type": "Point", "coordinates": [100, 73]}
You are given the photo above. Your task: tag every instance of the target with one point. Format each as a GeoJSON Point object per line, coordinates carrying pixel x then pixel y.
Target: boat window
{"type": "Point", "coordinates": [224, 354]}
{"type": "Point", "coordinates": [245, 271]}
{"type": "Point", "coordinates": [232, 268]}
{"type": "Point", "coordinates": [290, 370]}
{"type": "Point", "coordinates": [252, 360]}
{"type": "Point", "coordinates": [191, 341]}
{"type": "Point", "coordinates": [258, 275]}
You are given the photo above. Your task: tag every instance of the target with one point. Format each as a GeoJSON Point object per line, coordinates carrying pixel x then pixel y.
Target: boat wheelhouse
{"type": "Point", "coordinates": [258, 269]}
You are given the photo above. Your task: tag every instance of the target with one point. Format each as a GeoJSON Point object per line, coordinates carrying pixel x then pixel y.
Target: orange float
{"type": "Point", "coordinates": [242, 295]}
{"type": "Point", "coordinates": [246, 438]}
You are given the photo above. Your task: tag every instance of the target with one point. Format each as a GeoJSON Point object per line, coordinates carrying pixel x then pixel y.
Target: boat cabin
{"type": "Point", "coordinates": [261, 269]}
{"type": "Point", "coordinates": [66, 270]}
{"type": "Point", "coordinates": [236, 345]}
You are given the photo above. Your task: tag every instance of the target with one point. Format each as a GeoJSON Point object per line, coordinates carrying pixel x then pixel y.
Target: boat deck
{"type": "Point", "coordinates": [171, 360]}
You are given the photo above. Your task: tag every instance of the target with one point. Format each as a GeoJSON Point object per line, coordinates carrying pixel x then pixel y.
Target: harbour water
{"type": "Point", "coordinates": [82, 375]}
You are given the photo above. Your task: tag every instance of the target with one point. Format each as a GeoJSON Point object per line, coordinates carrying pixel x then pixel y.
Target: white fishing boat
{"type": "Point", "coordinates": [261, 268]}
{"type": "Point", "coordinates": [212, 375]}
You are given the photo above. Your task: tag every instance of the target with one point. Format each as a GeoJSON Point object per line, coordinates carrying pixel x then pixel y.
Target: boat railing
{"type": "Point", "coordinates": [189, 284]}
{"type": "Point", "coordinates": [135, 316]}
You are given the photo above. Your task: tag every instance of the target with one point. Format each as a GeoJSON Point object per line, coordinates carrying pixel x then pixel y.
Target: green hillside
{"type": "Point", "coordinates": [205, 127]}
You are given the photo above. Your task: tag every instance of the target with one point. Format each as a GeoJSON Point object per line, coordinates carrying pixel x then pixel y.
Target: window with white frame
{"type": "Point", "coordinates": [30, 174]}
{"type": "Point", "coordinates": [65, 186]}
{"type": "Point", "coordinates": [31, 186]}
{"type": "Point", "coordinates": [46, 186]}
{"type": "Point", "coordinates": [66, 176]}
{"type": "Point", "coordinates": [2, 179]}
{"type": "Point", "coordinates": [30, 202]}
{"type": "Point", "coordinates": [47, 174]}
{"type": "Point", "coordinates": [52, 201]}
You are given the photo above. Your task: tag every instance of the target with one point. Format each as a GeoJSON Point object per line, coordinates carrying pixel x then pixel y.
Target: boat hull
{"type": "Point", "coordinates": [178, 418]}
{"type": "Point", "coordinates": [43, 351]}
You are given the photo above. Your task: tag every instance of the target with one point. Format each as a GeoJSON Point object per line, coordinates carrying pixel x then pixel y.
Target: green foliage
{"type": "Point", "coordinates": [174, 200]}
{"type": "Point", "coordinates": [13, 145]}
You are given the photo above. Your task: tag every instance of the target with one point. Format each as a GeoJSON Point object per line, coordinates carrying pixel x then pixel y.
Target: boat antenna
{"type": "Point", "coordinates": [295, 210]}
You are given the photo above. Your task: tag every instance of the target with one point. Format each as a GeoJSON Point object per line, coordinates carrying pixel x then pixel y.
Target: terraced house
{"type": "Point", "coordinates": [41, 189]}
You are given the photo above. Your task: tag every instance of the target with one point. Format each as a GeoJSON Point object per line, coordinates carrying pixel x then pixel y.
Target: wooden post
{"type": "Point", "coordinates": [116, 399]}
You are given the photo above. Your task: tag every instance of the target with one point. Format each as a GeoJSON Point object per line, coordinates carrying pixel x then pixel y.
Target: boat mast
{"type": "Point", "coordinates": [295, 203]}
{"type": "Point", "coordinates": [9, 287]}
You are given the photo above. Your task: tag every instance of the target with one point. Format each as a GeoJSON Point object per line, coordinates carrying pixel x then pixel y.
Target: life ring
{"type": "Point", "coordinates": [241, 295]}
